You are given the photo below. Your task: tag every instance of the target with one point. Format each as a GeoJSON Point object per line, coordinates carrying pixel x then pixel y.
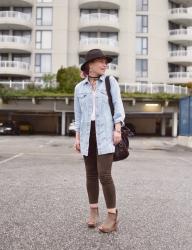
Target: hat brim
{"type": "Point", "coordinates": [108, 58]}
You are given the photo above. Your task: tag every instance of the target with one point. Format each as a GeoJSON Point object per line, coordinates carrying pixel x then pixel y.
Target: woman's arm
{"type": "Point", "coordinates": [77, 110]}
{"type": "Point", "coordinates": [119, 113]}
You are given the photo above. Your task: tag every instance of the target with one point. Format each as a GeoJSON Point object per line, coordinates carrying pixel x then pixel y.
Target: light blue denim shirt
{"type": "Point", "coordinates": [104, 122]}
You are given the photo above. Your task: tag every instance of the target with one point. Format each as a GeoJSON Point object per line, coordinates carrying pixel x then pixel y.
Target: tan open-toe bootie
{"type": "Point", "coordinates": [93, 217]}
{"type": "Point", "coordinates": [110, 224]}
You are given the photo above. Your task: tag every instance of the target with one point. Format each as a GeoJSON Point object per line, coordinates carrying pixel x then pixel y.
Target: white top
{"type": "Point", "coordinates": [93, 111]}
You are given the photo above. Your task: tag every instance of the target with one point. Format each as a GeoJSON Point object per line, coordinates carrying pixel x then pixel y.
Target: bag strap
{"type": "Point", "coordinates": [108, 89]}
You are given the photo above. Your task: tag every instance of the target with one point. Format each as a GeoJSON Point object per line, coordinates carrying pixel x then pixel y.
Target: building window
{"type": "Point", "coordinates": [44, 16]}
{"type": "Point", "coordinates": [142, 5]}
{"type": "Point", "coordinates": [142, 24]}
{"type": "Point", "coordinates": [21, 58]}
{"type": "Point", "coordinates": [4, 57]}
{"type": "Point", "coordinates": [43, 39]}
{"type": "Point", "coordinates": [141, 45]}
{"type": "Point", "coordinates": [23, 33]}
{"type": "Point", "coordinates": [141, 68]}
{"type": "Point", "coordinates": [43, 63]}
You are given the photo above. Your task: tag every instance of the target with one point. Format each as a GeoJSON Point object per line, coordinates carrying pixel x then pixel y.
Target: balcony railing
{"type": "Point", "coordinates": [180, 11]}
{"type": "Point", "coordinates": [181, 75]}
{"type": "Point", "coordinates": [179, 53]}
{"type": "Point", "coordinates": [125, 87]}
{"type": "Point", "coordinates": [14, 67]}
{"type": "Point", "coordinates": [99, 17]}
{"type": "Point", "coordinates": [15, 14]}
{"type": "Point", "coordinates": [153, 88]}
{"type": "Point", "coordinates": [180, 32]}
{"type": "Point", "coordinates": [99, 41]}
{"type": "Point", "coordinates": [14, 39]}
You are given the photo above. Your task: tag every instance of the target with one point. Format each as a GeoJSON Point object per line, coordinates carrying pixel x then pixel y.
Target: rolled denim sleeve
{"type": "Point", "coordinates": [77, 110]}
{"type": "Point", "coordinates": [119, 113]}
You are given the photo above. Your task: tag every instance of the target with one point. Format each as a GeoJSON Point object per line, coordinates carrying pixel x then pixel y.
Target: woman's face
{"type": "Point", "coordinates": [98, 66]}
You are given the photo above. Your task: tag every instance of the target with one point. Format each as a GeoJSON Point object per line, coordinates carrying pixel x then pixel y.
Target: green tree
{"type": "Point", "coordinates": [67, 78]}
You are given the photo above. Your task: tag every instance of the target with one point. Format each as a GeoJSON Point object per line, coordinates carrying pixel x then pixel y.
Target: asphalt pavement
{"type": "Point", "coordinates": [44, 204]}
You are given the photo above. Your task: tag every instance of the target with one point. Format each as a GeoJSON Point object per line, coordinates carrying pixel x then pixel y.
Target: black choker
{"type": "Point", "coordinates": [94, 77]}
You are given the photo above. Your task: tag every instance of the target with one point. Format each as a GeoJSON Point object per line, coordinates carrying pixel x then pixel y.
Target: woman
{"type": "Point", "coordinates": [96, 134]}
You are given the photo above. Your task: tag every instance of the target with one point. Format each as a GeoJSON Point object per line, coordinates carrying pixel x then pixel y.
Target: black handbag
{"type": "Point", "coordinates": [121, 149]}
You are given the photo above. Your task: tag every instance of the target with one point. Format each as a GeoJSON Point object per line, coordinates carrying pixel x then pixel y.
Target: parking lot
{"type": "Point", "coordinates": [43, 200]}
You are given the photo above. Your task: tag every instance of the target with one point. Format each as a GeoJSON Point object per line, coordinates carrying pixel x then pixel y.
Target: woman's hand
{"type": "Point", "coordinates": [77, 142]}
{"type": "Point", "coordinates": [116, 137]}
{"type": "Point", "coordinates": [77, 145]}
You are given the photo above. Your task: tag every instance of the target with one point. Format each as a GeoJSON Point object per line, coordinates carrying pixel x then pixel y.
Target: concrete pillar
{"type": "Point", "coordinates": [163, 126]}
{"type": "Point", "coordinates": [174, 124]}
{"type": "Point", "coordinates": [63, 123]}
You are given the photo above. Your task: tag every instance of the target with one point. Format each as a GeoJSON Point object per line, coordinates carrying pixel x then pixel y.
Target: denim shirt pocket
{"type": "Point", "coordinates": [83, 99]}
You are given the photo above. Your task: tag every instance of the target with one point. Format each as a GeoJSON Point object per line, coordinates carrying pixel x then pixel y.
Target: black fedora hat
{"type": "Point", "coordinates": [92, 55]}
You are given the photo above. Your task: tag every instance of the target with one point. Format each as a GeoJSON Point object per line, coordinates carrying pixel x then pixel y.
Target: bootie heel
{"type": "Point", "coordinates": [93, 218]}
{"type": "Point", "coordinates": [110, 224]}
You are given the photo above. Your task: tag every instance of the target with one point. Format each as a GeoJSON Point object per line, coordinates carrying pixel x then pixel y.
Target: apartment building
{"type": "Point", "coordinates": [150, 41]}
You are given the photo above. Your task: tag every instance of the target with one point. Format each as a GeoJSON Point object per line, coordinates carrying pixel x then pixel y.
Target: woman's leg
{"type": "Point", "coordinates": [104, 165]}
{"type": "Point", "coordinates": [92, 182]}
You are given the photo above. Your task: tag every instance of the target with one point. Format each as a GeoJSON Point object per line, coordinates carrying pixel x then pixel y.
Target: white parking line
{"type": "Point", "coordinates": [11, 158]}
{"type": "Point", "coordinates": [185, 160]}
{"type": "Point", "coordinates": [3, 140]}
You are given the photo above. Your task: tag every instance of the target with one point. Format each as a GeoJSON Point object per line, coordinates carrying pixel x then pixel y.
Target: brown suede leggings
{"type": "Point", "coordinates": [98, 167]}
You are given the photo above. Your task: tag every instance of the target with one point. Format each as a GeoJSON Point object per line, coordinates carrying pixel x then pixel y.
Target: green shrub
{"type": "Point", "coordinates": [67, 78]}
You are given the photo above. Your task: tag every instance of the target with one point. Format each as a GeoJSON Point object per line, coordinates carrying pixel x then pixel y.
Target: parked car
{"type": "Point", "coordinates": [71, 128]}
{"type": "Point", "coordinates": [8, 128]}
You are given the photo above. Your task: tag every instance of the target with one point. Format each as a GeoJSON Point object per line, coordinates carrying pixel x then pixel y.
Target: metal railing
{"type": "Point", "coordinates": [15, 14]}
{"type": "Point", "coordinates": [180, 11]}
{"type": "Point", "coordinates": [14, 39]}
{"type": "Point", "coordinates": [180, 32]}
{"type": "Point", "coordinates": [18, 85]}
{"type": "Point", "coordinates": [125, 87]}
{"type": "Point", "coordinates": [153, 88]}
{"type": "Point", "coordinates": [14, 65]}
{"type": "Point", "coordinates": [99, 41]}
{"type": "Point", "coordinates": [180, 53]}
{"type": "Point", "coordinates": [181, 75]}
{"type": "Point", "coordinates": [101, 17]}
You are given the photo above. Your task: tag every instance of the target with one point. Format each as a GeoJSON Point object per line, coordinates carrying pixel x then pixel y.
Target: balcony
{"type": "Point", "coordinates": [109, 46]}
{"type": "Point", "coordinates": [184, 2]}
{"type": "Point", "coordinates": [15, 20]}
{"type": "Point", "coordinates": [15, 68]}
{"type": "Point", "coordinates": [181, 36]}
{"type": "Point", "coordinates": [112, 69]}
{"type": "Point", "coordinates": [180, 77]}
{"type": "Point", "coordinates": [102, 4]}
{"type": "Point", "coordinates": [180, 57]}
{"type": "Point", "coordinates": [14, 44]}
{"type": "Point", "coordinates": [18, 3]}
{"type": "Point", "coordinates": [99, 21]}
{"type": "Point", "coordinates": [181, 16]}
